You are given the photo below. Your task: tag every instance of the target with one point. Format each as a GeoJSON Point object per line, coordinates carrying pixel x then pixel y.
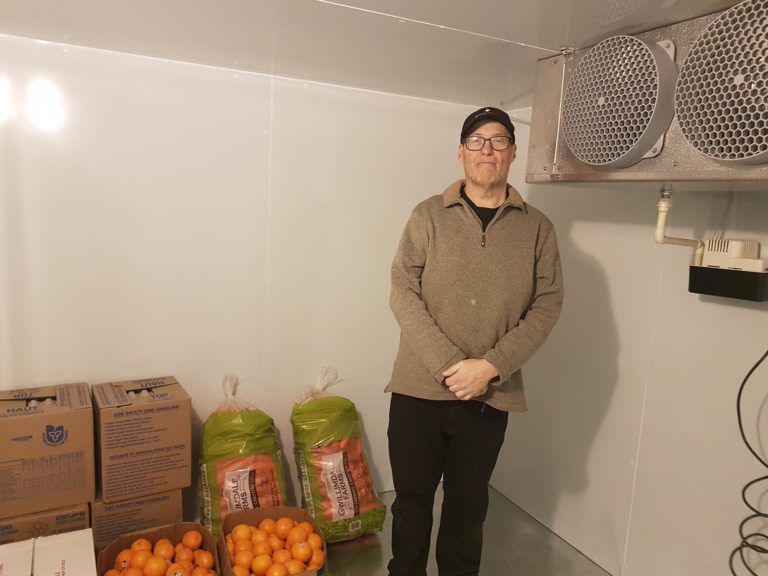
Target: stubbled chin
{"type": "Point", "coordinates": [484, 178]}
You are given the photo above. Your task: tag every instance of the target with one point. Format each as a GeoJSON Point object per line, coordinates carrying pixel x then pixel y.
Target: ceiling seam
{"type": "Point", "coordinates": [440, 26]}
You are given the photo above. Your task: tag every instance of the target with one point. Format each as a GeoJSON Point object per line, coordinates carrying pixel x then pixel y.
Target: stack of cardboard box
{"type": "Point", "coordinates": [51, 462]}
{"type": "Point", "coordinates": [46, 461]}
{"type": "Point", "coordinates": [144, 455]}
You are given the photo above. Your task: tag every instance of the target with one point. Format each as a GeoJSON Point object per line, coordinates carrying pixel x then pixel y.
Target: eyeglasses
{"type": "Point", "coordinates": [498, 143]}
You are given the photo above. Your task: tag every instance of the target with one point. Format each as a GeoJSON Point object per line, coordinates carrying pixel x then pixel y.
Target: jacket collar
{"type": "Point", "coordinates": [452, 195]}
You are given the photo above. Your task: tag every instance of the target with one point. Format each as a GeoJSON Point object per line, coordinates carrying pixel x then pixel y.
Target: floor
{"type": "Point", "coordinates": [515, 544]}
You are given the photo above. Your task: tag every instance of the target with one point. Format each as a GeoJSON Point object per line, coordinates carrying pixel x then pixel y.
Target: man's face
{"type": "Point", "coordinates": [487, 167]}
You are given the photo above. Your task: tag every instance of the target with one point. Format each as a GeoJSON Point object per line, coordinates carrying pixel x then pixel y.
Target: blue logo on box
{"type": "Point", "coordinates": [54, 435]}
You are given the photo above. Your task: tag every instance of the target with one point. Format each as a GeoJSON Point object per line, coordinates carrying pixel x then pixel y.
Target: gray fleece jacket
{"type": "Point", "coordinates": [458, 292]}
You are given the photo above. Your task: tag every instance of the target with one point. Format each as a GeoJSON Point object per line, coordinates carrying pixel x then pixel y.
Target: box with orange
{"type": "Point", "coordinates": [272, 541]}
{"type": "Point", "coordinates": [182, 549]}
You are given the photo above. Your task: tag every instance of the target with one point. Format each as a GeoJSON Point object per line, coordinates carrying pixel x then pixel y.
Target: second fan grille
{"type": "Point", "coordinates": [722, 91]}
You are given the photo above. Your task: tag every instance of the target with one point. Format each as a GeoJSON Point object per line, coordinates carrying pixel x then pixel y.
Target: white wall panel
{"type": "Point", "coordinates": [632, 398]}
{"type": "Point", "coordinates": [693, 463]}
{"type": "Point", "coordinates": [134, 236]}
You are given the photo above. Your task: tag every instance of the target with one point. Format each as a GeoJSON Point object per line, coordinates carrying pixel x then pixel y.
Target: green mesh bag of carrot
{"type": "Point", "coordinates": [241, 465]}
{"type": "Point", "coordinates": [336, 486]}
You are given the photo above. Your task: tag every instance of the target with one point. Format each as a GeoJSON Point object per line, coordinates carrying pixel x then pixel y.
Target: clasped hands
{"type": "Point", "coordinates": [469, 378]}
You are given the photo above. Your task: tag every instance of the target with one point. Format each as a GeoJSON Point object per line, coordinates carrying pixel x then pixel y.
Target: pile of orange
{"type": "Point", "coordinates": [163, 558]}
{"type": "Point", "coordinates": [274, 548]}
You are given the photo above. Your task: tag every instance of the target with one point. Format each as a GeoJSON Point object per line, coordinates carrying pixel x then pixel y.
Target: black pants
{"type": "Point", "coordinates": [460, 442]}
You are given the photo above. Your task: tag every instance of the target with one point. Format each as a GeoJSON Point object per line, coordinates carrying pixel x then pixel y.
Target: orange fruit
{"type": "Point", "coordinates": [204, 559]}
{"type": "Point", "coordinates": [164, 548]}
{"type": "Point", "coordinates": [244, 558]}
{"type": "Point", "coordinates": [240, 571]}
{"type": "Point", "coordinates": [177, 569]}
{"type": "Point", "coordinates": [112, 572]}
{"type": "Point", "coordinates": [258, 536]}
{"type": "Point", "coordinates": [241, 532]}
{"type": "Point", "coordinates": [200, 571]}
{"type": "Point", "coordinates": [307, 526]}
{"type": "Point", "coordinates": [132, 571]}
{"type": "Point", "coordinates": [315, 541]}
{"type": "Point", "coordinates": [122, 560]}
{"type": "Point", "coordinates": [193, 539]}
{"type": "Point", "coordinates": [283, 526]}
{"type": "Point", "coordinates": [242, 545]}
{"type": "Point", "coordinates": [267, 525]}
{"type": "Point", "coordinates": [295, 534]}
{"type": "Point", "coordinates": [275, 543]}
{"type": "Point", "coordinates": [186, 564]}
{"type": "Point", "coordinates": [281, 556]}
{"type": "Point", "coordinates": [141, 544]}
{"type": "Point", "coordinates": [155, 566]}
{"type": "Point", "coordinates": [277, 570]}
{"type": "Point", "coordinates": [183, 554]}
{"type": "Point", "coordinates": [302, 551]}
{"type": "Point", "coordinates": [139, 558]}
{"type": "Point", "coordinates": [318, 557]}
{"type": "Point", "coordinates": [260, 564]}
{"type": "Point", "coordinates": [262, 548]}
{"type": "Point", "coordinates": [295, 566]}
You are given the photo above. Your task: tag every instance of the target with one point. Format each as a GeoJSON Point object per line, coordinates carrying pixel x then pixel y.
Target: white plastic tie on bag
{"type": "Point", "coordinates": [231, 403]}
{"type": "Point", "coordinates": [230, 384]}
{"type": "Point", "coordinates": [328, 377]}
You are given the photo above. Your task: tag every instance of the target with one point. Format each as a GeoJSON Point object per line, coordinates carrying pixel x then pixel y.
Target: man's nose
{"type": "Point", "coordinates": [487, 148]}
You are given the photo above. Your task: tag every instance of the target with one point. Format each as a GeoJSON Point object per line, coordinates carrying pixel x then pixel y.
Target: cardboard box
{"type": "Point", "coordinates": [44, 523]}
{"type": "Point", "coordinates": [46, 448]}
{"type": "Point", "coordinates": [68, 554]}
{"type": "Point", "coordinates": [16, 558]}
{"type": "Point", "coordinates": [144, 437]}
{"type": "Point", "coordinates": [110, 520]}
{"type": "Point", "coordinates": [253, 517]}
{"type": "Point", "coordinates": [174, 532]}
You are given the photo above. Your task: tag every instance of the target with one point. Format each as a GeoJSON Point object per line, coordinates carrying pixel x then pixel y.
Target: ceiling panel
{"type": "Point", "coordinates": [453, 50]}
{"type": "Point", "coordinates": [594, 20]}
{"type": "Point", "coordinates": [348, 47]}
{"type": "Point", "coordinates": [542, 24]}
{"type": "Point", "coordinates": [227, 33]}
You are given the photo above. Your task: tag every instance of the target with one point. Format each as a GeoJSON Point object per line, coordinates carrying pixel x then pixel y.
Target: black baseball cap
{"type": "Point", "coordinates": [484, 115]}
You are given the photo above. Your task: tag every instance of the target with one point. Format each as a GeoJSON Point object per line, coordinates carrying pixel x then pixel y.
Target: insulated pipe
{"type": "Point", "coordinates": [665, 204]}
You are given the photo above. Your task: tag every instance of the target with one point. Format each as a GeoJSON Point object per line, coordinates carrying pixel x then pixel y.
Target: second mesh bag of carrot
{"type": "Point", "coordinates": [336, 485]}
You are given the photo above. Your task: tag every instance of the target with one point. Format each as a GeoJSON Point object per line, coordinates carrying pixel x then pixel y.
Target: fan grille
{"type": "Point", "coordinates": [610, 101]}
{"type": "Point", "coordinates": [721, 93]}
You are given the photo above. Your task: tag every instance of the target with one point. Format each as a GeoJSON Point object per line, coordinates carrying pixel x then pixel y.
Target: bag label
{"type": "Point", "coordinates": [239, 490]}
{"type": "Point", "coordinates": [339, 485]}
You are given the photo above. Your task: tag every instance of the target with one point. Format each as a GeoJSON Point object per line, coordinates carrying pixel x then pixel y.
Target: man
{"type": "Point", "coordinates": [476, 288]}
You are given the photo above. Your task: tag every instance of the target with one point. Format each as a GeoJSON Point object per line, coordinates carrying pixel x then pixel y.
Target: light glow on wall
{"type": "Point", "coordinates": [44, 106]}
{"type": "Point", "coordinates": [6, 104]}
